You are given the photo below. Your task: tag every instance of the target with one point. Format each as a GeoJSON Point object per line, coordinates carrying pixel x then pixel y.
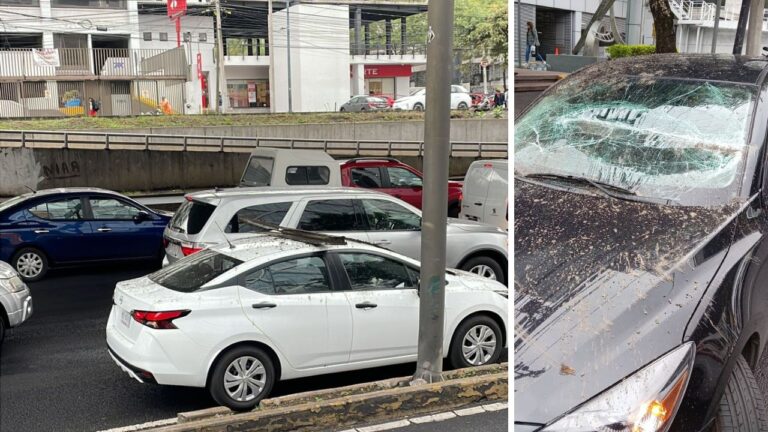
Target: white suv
{"type": "Point", "coordinates": [211, 217]}
{"type": "Point", "coordinates": [460, 99]}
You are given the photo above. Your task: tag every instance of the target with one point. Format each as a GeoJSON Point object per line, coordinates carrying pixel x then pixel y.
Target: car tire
{"type": "Point", "coordinates": [2, 327]}
{"type": "Point", "coordinates": [464, 338]}
{"type": "Point", "coordinates": [30, 263]}
{"type": "Point", "coordinates": [418, 107]}
{"type": "Point", "coordinates": [484, 266]}
{"type": "Point", "coordinates": [342, 109]}
{"type": "Point", "coordinates": [742, 407]}
{"type": "Point", "coordinates": [228, 363]}
{"type": "Point", "coordinates": [462, 106]}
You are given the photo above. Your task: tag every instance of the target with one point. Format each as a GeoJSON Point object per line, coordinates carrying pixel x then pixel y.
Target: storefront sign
{"type": "Point", "coordinates": [46, 57]}
{"type": "Point", "coordinates": [176, 7]}
{"type": "Point", "coordinates": [199, 66]}
{"type": "Point", "coordinates": [251, 92]}
{"type": "Point", "coordinates": [387, 71]}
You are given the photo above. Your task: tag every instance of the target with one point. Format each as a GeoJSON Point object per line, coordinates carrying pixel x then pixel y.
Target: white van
{"type": "Point", "coordinates": [486, 193]}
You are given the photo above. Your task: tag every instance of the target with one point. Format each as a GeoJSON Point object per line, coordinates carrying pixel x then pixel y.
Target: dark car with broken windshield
{"type": "Point", "coordinates": [641, 265]}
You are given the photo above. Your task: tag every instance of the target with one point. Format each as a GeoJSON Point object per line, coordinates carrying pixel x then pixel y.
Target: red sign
{"type": "Point", "coordinates": [387, 71]}
{"type": "Point", "coordinates": [199, 66]}
{"type": "Point", "coordinates": [176, 7]}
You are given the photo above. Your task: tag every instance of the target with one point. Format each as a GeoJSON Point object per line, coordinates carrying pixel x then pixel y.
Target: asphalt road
{"type": "Point", "coordinates": [56, 375]}
{"type": "Point", "coordinates": [497, 421]}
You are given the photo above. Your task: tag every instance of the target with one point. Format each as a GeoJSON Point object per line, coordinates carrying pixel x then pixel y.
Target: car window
{"type": "Point", "coordinates": [374, 272]}
{"type": "Point", "coordinates": [401, 177]}
{"type": "Point", "coordinates": [110, 208]}
{"type": "Point", "coordinates": [63, 209]}
{"type": "Point", "coordinates": [191, 217]}
{"type": "Point", "coordinates": [244, 220]}
{"type": "Point", "coordinates": [385, 215]}
{"type": "Point", "coordinates": [192, 272]}
{"type": "Point", "coordinates": [307, 175]}
{"type": "Point", "coordinates": [366, 177]}
{"type": "Point", "coordinates": [330, 215]}
{"type": "Point", "coordinates": [258, 172]}
{"type": "Point", "coordinates": [304, 275]}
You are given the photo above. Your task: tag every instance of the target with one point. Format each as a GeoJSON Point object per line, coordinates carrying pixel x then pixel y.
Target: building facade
{"type": "Point", "coordinates": [55, 55]}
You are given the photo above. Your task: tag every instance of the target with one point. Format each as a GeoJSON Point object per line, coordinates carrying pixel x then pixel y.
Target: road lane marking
{"type": "Point", "coordinates": [385, 426]}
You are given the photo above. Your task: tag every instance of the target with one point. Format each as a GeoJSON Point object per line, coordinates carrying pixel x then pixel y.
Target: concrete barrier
{"type": "Point", "coordinates": [22, 169]}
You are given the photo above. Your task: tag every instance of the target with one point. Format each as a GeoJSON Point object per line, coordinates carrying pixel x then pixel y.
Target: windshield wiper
{"type": "Point", "coordinates": [607, 189]}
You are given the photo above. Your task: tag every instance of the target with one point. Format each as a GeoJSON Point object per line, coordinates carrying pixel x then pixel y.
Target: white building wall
{"type": "Point", "coordinates": [319, 58]}
{"type": "Point", "coordinates": [196, 25]}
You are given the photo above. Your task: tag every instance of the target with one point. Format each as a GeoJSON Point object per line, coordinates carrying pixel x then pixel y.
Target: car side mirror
{"type": "Point", "coordinates": [141, 217]}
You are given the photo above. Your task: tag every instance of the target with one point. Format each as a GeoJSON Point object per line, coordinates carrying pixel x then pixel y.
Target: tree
{"type": "Point", "coordinates": [663, 24]}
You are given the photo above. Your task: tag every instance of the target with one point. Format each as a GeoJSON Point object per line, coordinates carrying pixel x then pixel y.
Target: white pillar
{"type": "Point", "coordinates": [634, 20]}
{"type": "Point", "coordinates": [358, 79]}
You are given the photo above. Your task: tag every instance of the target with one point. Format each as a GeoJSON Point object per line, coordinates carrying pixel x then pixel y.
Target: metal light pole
{"type": "Point", "coordinates": [271, 59]}
{"type": "Point", "coordinates": [717, 26]}
{"type": "Point", "coordinates": [288, 34]}
{"type": "Point", "coordinates": [755, 28]}
{"type": "Point", "coordinates": [741, 27]}
{"type": "Point", "coordinates": [437, 134]}
{"type": "Point", "coordinates": [221, 83]}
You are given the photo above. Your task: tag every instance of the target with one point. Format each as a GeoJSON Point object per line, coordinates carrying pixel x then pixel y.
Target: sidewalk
{"type": "Point", "coordinates": [492, 417]}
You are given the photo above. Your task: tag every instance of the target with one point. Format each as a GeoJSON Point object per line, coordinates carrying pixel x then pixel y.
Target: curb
{"type": "Point", "coordinates": [362, 403]}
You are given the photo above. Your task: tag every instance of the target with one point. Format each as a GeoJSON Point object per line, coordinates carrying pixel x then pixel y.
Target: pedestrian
{"type": "Point", "coordinates": [165, 106]}
{"type": "Point", "coordinates": [498, 99]}
{"type": "Point", "coordinates": [532, 42]}
{"type": "Point", "coordinates": [93, 107]}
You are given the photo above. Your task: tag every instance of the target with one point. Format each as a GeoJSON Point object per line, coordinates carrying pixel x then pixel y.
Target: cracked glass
{"type": "Point", "coordinates": [678, 140]}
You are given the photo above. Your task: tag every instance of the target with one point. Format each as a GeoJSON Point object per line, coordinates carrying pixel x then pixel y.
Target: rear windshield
{"type": "Point", "coordinates": [191, 217]}
{"type": "Point", "coordinates": [190, 273]}
{"type": "Point", "coordinates": [258, 172]}
{"type": "Point", "coordinates": [307, 175]}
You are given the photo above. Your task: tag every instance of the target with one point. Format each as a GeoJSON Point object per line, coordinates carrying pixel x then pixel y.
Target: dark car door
{"type": "Point", "coordinates": [403, 184]}
{"type": "Point", "coordinates": [58, 227]}
{"type": "Point", "coordinates": [123, 230]}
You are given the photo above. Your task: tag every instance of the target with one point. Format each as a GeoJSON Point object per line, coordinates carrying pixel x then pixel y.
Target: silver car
{"type": "Point", "coordinates": [212, 217]}
{"type": "Point", "coordinates": [15, 299]}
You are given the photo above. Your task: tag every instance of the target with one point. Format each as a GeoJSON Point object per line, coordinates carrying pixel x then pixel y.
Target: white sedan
{"type": "Point", "coordinates": [236, 318]}
{"type": "Point", "coordinates": [417, 101]}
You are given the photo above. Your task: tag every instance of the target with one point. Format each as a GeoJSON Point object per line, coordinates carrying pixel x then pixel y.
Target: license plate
{"type": "Point", "coordinates": [125, 318]}
{"type": "Point", "coordinates": [173, 250]}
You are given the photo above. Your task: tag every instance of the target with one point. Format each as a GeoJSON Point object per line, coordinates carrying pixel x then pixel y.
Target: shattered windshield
{"type": "Point", "coordinates": [672, 139]}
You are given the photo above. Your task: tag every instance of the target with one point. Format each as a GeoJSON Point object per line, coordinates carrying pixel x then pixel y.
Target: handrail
{"type": "Point", "coordinates": [76, 140]}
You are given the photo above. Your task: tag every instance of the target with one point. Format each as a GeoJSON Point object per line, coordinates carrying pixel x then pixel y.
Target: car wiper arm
{"type": "Point", "coordinates": [576, 179]}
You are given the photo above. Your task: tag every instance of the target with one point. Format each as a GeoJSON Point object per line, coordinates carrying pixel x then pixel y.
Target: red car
{"type": "Point", "coordinates": [394, 178]}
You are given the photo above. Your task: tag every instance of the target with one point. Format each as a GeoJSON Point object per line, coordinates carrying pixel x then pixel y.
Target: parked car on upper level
{"type": "Point", "coordinates": [364, 103]}
{"type": "Point", "coordinates": [486, 193]}
{"type": "Point", "coordinates": [212, 217]}
{"type": "Point", "coordinates": [239, 317]}
{"type": "Point", "coordinates": [283, 167]}
{"type": "Point", "coordinates": [460, 99]}
{"type": "Point", "coordinates": [15, 299]}
{"type": "Point", "coordinates": [61, 227]}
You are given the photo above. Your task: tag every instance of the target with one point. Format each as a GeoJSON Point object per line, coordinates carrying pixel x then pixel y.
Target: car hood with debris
{"type": "Point", "coordinates": [602, 288]}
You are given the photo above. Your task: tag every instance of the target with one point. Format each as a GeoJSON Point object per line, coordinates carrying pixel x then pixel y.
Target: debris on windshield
{"type": "Point", "coordinates": [567, 370]}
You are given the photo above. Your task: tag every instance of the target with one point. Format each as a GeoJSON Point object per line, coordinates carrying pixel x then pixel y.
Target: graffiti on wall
{"type": "Point", "coordinates": [61, 170]}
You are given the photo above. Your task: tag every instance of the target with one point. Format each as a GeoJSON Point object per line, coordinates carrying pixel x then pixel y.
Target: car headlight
{"type": "Point", "coordinates": [646, 401]}
{"type": "Point", "coordinates": [16, 284]}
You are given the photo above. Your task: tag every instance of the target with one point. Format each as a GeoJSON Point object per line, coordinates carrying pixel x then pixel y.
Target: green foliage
{"type": "Point", "coordinates": [618, 51]}
{"type": "Point", "coordinates": [481, 28]}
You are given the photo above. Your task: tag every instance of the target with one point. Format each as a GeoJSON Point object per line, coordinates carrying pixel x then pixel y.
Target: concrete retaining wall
{"type": "Point", "coordinates": [133, 170]}
{"type": "Point", "coordinates": [489, 130]}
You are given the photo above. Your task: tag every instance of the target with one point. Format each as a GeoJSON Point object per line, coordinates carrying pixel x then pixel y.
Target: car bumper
{"type": "Point", "coordinates": [18, 305]}
{"type": "Point", "coordinates": [156, 356]}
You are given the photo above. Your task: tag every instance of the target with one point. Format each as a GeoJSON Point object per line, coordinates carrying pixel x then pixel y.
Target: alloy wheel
{"type": "Point", "coordinates": [479, 345]}
{"type": "Point", "coordinates": [245, 378]}
{"type": "Point", "coordinates": [29, 265]}
{"type": "Point", "coordinates": [484, 271]}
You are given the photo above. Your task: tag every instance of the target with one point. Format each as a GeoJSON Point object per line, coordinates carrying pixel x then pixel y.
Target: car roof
{"type": "Point", "coordinates": [705, 67]}
{"type": "Point", "coordinates": [69, 190]}
{"type": "Point", "coordinates": [293, 192]}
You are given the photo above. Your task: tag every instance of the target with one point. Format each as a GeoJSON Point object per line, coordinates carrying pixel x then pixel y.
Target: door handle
{"type": "Point", "coordinates": [263, 305]}
{"type": "Point", "coordinates": [104, 229]}
{"type": "Point", "coordinates": [41, 231]}
{"type": "Point", "coordinates": [366, 305]}
{"type": "Point", "coordinates": [382, 242]}
{"type": "Point", "coordinates": [479, 204]}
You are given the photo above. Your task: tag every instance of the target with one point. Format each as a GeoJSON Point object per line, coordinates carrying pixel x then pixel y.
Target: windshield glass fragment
{"type": "Point", "coordinates": [659, 138]}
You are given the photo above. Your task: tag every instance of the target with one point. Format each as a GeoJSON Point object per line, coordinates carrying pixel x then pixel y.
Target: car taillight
{"type": "Point", "coordinates": [188, 250]}
{"type": "Point", "coordinates": [165, 242]}
{"type": "Point", "coordinates": [158, 320]}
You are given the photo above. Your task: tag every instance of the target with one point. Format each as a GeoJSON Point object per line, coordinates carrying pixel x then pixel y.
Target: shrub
{"type": "Point", "coordinates": [618, 51]}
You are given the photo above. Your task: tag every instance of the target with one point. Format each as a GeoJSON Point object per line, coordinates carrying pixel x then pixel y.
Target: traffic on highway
{"type": "Point", "coordinates": [230, 270]}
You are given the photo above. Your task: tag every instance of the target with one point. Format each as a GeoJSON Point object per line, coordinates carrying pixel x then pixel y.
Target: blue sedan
{"type": "Point", "coordinates": [62, 227]}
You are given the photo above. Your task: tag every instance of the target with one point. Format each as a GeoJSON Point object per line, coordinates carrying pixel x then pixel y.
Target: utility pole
{"type": "Point", "coordinates": [437, 134]}
{"type": "Point", "coordinates": [288, 34]}
{"type": "Point", "coordinates": [484, 65]}
{"type": "Point", "coordinates": [755, 28]}
{"type": "Point", "coordinates": [221, 83]}
{"type": "Point", "coordinates": [271, 59]}
{"type": "Point", "coordinates": [717, 26]}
